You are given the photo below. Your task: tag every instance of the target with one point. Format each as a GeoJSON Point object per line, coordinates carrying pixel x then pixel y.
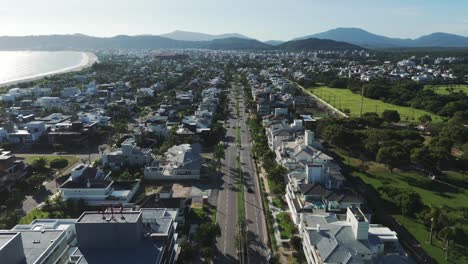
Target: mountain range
{"type": "Point", "coordinates": [196, 36]}
{"type": "Point", "coordinates": [84, 42]}
{"type": "Point", "coordinates": [335, 39]}
{"type": "Point", "coordinates": [364, 38]}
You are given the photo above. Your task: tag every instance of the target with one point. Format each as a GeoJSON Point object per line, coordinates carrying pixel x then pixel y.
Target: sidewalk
{"type": "Point", "coordinates": [283, 253]}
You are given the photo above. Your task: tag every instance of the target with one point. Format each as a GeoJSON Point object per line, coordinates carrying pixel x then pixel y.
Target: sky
{"type": "Point", "coordinates": [260, 19]}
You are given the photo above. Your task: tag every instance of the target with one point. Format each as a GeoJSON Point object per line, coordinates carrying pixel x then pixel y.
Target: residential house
{"type": "Point", "coordinates": [96, 188]}
{"type": "Point", "coordinates": [328, 239]}
{"type": "Point", "coordinates": [128, 154]}
{"type": "Point", "coordinates": [182, 162]}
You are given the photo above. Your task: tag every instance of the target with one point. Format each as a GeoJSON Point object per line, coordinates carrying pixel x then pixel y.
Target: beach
{"type": "Point", "coordinates": [88, 60]}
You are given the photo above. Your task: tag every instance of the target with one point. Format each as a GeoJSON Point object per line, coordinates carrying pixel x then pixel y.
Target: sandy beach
{"type": "Point", "coordinates": [88, 60]}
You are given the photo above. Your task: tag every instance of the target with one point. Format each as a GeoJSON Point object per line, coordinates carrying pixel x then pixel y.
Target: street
{"type": "Point", "coordinates": [227, 205]}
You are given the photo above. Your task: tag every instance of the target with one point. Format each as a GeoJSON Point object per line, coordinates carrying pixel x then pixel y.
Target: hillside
{"type": "Point", "coordinates": [237, 43]}
{"type": "Point", "coordinates": [197, 36]}
{"type": "Point", "coordinates": [312, 44]}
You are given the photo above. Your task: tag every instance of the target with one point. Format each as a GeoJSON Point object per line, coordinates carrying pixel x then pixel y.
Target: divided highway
{"type": "Point", "coordinates": [257, 251]}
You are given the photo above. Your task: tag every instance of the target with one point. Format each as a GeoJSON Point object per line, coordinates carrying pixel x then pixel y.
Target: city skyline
{"type": "Point", "coordinates": [263, 20]}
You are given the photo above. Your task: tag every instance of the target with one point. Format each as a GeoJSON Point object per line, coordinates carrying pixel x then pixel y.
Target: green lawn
{"type": "Point", "coordinates": [286, 226]}
{"type": "Point", "coordinates": [448, 88]}
{"type": "Point", "coordinates": [30, 158]}
{"type": "Point", "coordinates": [345, 99]}
{"type": "Point", "coordinates": [34, 214]}
{"type": "Point", "coordinates": [432, 193]}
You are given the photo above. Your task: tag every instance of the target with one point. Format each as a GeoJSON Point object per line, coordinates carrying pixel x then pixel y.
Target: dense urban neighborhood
{"type": "Point", "coordinates": [207, 155]}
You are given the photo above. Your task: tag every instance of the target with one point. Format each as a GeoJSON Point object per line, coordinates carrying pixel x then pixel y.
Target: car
{"type": "Point", "coordinates": [249, 190]}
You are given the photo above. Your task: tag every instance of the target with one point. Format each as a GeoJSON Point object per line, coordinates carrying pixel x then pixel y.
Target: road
{"type": "Point", "coordinates": [227, 199]}
{"type": "Point", "coordinates": [227, 203]}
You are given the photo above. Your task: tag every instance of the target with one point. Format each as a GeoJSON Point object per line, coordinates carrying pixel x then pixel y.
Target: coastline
{"type": "Point", "coordinates": [88, 60]}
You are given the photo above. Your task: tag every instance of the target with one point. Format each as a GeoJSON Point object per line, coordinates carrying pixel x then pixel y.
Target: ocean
{"type": "Point", "coordinates": [20, 65]}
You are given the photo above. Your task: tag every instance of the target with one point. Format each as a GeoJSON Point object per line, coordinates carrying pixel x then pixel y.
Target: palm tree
{"type": "Point", "coordinates": [433, 215]}
{"type": "Point", "coordinates": [448, 233]}
{"type": "Point", "coordinates": [219, 154]}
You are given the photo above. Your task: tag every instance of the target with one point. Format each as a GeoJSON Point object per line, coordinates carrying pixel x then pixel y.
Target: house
{"type": "Point", "coordinates": [129, 154]}
{"type": "Point", "coordinates": [328, 239]}
{"type": "Point", "coordinates": [48, 102]}
{"type": "Point", "coordinates": [71, 133]}
{"type": "Point", "coordinates": [182, 162]}
{"type": "Point", "coordinates": [95, 187]}
{"type": "Point", "coordinates": [55, 118]}
{"type": "Point", "coordinates": [11, 168]}
{"type": "Point", "coordinates": [68, 92]}
{"type": "Point", "coordinates": [94, 117]}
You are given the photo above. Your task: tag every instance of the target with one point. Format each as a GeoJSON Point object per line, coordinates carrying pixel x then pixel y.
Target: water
{"type": "Point", "coordinates": [19, 65]}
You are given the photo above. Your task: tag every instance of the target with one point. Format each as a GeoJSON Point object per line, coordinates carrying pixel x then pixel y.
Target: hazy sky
{"type": "Point", "coordinates": [262, 19]}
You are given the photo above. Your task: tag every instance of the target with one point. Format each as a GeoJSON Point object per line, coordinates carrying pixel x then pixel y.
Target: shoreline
{"type": "Point", "coordinates": [88, 60]}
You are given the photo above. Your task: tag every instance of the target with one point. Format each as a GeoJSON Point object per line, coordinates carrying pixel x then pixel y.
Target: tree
{"type": "Point", "coordinates": [219, 154]}
{"type": "Point", "coordinates": [448, 233]}
{"type": "Point", "coordinates": [39, 165]}
{"type": "Point", "coordinates": [372, 119]}
{"type": "Point", "coordinates": [455, 132]}
{"type": "Point", "coordinates": [441, 148]}
{"type": "Point", "coordinates": [391, 116]}
{"type": "Point", "coordinates": [424, 120]}
{"type": "Point", "coordinates": [207, 234]}
{"type": "Point", "coordinates": [424, 158]}
{"type": "Point", "coordinates": [296, 243]}
{"type": "Point", "coordinates": [392, 156]}
{"type": "Point", "coordinates": [187, 252]}
{"type": "Point", "coordinates": [433, 216]}
{"type": "Point", "coordinates": [465, 152]}
{"type": "Point", "coordinates": [58, 163]}
{"type": "Point", "coordinates": [410, 202]}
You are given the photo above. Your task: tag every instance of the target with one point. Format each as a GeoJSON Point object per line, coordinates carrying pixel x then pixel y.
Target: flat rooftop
{"type": "Point", "coordinates": [5, 237]}
{"type": "Point", "coordinates": [36, 242]}
{"type": "Point", "coordinates": [96, 217]}
{"type": "Point", "coordinates": [148, 251]}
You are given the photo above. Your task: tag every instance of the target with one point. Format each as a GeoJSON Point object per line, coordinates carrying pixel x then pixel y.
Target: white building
{"type": "Point", "coordinates": [182, 162]}
{"type": "Point", "coordinates": [129, 154]}
{"type": "Point", "coordinates": [327, 239]}
{"type": "Point", "coordinates": [48, 101]}
{"type": "Point", "coordinates": [96, 188]}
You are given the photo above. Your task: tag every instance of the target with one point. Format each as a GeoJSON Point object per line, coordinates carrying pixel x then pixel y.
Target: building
{"type": "Point", "coordinates": [43, 241]}
{"type": "Point", "coordinates": [107, 236]}
{"type": "Point", "coordinates": [48, 102]}
{"type": "Point", "coordinates": [328, 239]}
{"type": "Point", "coordinates": [95, 187]}
{"type": "Point", "coordinates": [128, 154]}
{"type": "Point", "coordinates": [11, 168]}
{"type": "Point", "coordinates": [182, 162]}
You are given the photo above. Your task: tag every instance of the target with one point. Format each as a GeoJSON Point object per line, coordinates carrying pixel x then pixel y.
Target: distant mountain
{"type": "Point", "coordinates": [196, 36]}
{"type": "Point", "coordinates": [83, 43]}
{"type": "Point", "coordinates": [274, 42]}
{"type": "Point", "coordinates": [312, 44]}
{"type": "Point", "coordinates": [364, 38]}
{"type": "Point", "coordinates": [358, 36]}
{"type": "Point", "coordinates": [237, 44]}
{"type": "Point", "coordinates": [441, 40]}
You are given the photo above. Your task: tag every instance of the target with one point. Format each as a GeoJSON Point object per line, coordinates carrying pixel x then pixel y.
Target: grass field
{"type": "Point", "coordinates": [447, 89]}
{"type": "Point", "coordinates": [30, 158]}
{"type": "Point", "coordinates": [432, 193]}
{"type": "Point", "coordinates": [345, 99]}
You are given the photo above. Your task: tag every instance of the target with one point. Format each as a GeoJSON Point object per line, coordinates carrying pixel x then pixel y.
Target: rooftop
{"type": "Point", "coordinates": [97, 217]}
{"type": "Point", "coordinates": [148, 251]}
{"type": "Point", "coordinates": [36, 242]}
